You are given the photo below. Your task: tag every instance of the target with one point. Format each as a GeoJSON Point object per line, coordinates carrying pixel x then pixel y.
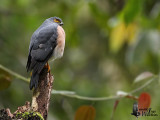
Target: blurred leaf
{"type": "Point", "coordinates": [117, 38]}
{"type": "Point", "coordinates": [121, 34]}
{"type": "Point", "coordinates": [144, 53]}
{"type": "Point", "coordinates": [85, 113]}
{"type": "Point", "coordinates": [143, 76]}
{"type": "Point", "coordinates": [131, 32]}
{"type": "Point", "coordinates": [144, 102]}
{"type": "Point", "coordinates": [131, 10]}
{"type": "Point", "coordinates": [5, 79]}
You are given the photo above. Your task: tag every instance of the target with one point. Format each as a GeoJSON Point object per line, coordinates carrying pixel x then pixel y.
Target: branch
{"type": "Point", "coordinates": [72, 94]}
{"type": "Point", "coordinates": [143, 86]}
{"type": "Point", "coordinates": [14, 74]}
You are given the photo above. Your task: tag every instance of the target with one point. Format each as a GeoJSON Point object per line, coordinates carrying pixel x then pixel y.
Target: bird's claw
{"type": "Point", "coordinates": [47, 66]}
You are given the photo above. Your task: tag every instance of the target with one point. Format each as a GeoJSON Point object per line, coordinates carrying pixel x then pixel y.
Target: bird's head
{"type": "Point", "coordinates": [56, 20]}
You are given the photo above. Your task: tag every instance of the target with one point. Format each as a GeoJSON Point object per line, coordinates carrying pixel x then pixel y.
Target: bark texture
{"type": "Point", "coordinates": [41, 95]}
{"type": "Point", "coordinates": [40, 101]}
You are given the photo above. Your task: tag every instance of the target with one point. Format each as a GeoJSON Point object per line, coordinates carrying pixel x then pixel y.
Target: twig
{"type": "Point", "coordinates": [128, 95]}
{"type": "Point", "coordinates": [14, 74]}
{"type": "Point", "coordinates": [143, 86]}
{"type": "Point", "coordinates": [67, 94]}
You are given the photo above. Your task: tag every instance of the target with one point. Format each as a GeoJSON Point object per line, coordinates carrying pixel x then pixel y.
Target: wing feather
{"type": "Point", "coordinates": [43, 43]}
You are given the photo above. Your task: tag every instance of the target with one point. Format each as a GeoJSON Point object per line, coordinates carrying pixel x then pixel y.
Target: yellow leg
{"type": "Point", "coordinates": [47, 66]}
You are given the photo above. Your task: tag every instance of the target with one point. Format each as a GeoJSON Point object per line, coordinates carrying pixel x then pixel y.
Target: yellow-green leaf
{"type": "Point", "coordinates": [131, 32]}
{"type": "Point", "coordinates": [122, 34]}
{"type": "Point", "coordinates": [85, 113]}
{"type": "Point", "coordinates": [117, 38]}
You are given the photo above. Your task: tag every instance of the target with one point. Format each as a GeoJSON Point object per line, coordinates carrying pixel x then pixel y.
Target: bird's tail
{"type": "Point", "coordinates": [35, 74]}
{"type": "Point", "coordinates": [34, 80]}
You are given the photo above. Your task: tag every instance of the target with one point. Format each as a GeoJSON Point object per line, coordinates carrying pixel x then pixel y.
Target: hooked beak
{"type": "Point", "coordinates": [61, 23]}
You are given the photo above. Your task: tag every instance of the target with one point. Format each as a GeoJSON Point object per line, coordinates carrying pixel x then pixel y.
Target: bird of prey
{"type": "Point", "coordinates": [48, 41]}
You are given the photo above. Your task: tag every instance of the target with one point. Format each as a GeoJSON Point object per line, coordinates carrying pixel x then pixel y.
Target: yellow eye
{"type": "Point", "coordinates": [56, 20]}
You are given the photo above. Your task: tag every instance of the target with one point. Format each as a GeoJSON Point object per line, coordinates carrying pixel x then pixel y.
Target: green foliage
{"type": "Point", "coordinates": [29, 115]}
{"type": "Point", "coordinates": [132, 9]}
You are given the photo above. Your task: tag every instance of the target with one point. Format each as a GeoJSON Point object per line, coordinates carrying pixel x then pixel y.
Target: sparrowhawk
{"type": "Point", "coordinates": [46, 42]}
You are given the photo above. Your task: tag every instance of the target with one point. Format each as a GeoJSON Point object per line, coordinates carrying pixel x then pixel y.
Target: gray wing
{"type": "Point", "coordinates": [42, 45]}
{"type": "Point", "coordinates": [41, 49]}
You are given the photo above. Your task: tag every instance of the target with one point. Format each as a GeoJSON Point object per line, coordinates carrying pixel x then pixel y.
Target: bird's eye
{"type": "Point", "coordinates": [56, 20]}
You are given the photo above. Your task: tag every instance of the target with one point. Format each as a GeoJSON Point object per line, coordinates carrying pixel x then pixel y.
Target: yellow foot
{"type": "Point", "coordinates": [47, 66]}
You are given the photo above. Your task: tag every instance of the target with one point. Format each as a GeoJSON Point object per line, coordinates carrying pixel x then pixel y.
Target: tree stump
{"type": "Point", "coordinates": [41, 95]}
{"type": "Point", "coordinates": [40, 101]}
